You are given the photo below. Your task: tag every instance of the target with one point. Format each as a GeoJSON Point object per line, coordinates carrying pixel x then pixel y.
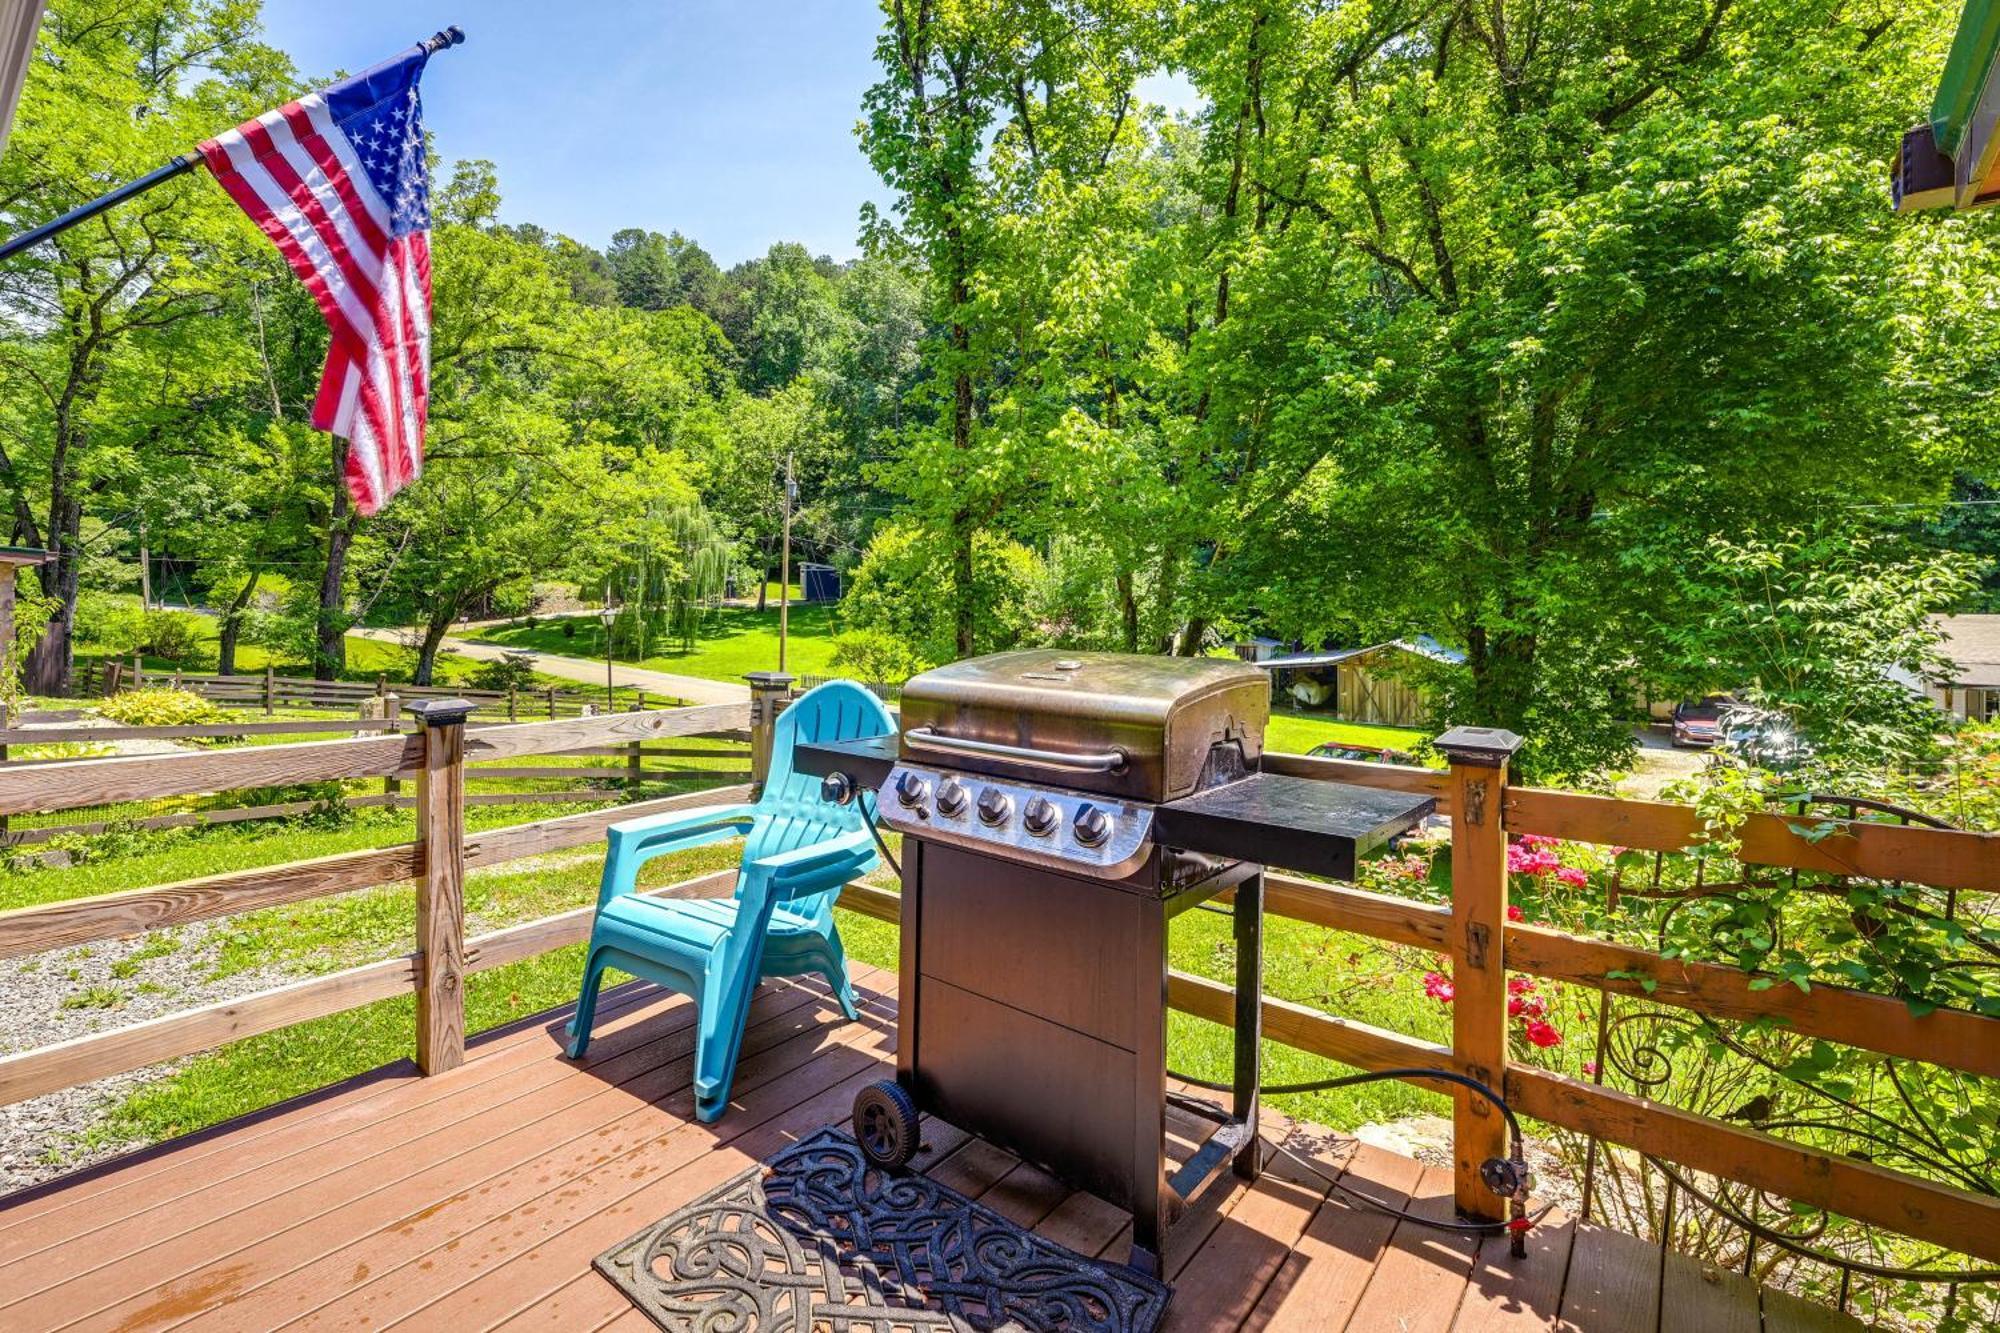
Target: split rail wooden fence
{"type": "Point", "coordinates": [1473, 931]}
{"type": "Point", "coordinates": [270, 692]}
{"type": "Point", "coordinates": [722, 758]}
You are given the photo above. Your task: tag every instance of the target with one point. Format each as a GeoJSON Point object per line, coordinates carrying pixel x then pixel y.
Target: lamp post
{"type": "Point", "coordinates": [607, 615]}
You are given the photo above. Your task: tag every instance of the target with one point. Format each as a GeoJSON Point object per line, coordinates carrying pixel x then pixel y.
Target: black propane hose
{"type": "Point", "coordinates": [1513, 1172]}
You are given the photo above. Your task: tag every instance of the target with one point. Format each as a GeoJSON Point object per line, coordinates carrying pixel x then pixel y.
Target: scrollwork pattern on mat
{"type": "Point", "coordinates": [818, 1239]}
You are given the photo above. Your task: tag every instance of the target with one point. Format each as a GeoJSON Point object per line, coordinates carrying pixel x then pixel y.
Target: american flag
{"type": "Point", "coordinates": [337, 181]}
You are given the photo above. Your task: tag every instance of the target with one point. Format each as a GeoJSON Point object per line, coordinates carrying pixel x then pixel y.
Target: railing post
{"type": "Point", "coordinates": [441, 885]}
{"type": "Point", "coordinates": [270, 688]}
{"type": "Point", "coordinates": [1479, 758]}
{"type": "Point", "coordinates": [392, 713]}
{"type": "Point", "coordinates": [770, 691]}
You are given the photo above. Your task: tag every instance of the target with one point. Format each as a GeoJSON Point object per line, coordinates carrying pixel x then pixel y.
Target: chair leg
{"type": "Point", "coordinates": [586, 1008]}
{"type": "Point", "coordinates": [718, 1041]}
{"type": "Point", "coordinates": [836, 975]}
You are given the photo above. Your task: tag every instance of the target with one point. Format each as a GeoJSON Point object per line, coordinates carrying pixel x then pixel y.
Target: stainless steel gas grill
{"type": "Point", "coordinates": [1058, 810]}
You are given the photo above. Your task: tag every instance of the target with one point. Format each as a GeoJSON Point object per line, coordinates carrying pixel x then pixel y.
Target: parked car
{"type": "Point", "coordinates": [1698, 723]}
{"type": "Point", "coordinates": [1367, 754]}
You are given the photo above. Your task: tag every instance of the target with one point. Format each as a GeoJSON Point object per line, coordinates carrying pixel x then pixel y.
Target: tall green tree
{"type": "Point", "coordinates": [113, 333]}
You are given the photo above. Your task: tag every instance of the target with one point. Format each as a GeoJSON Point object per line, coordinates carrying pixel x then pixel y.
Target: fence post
{"type": "Point", "coordinates": [270, 688]}
{"type": "Point", "coordinates": [552, 703]}
{"type": "Point", "coordinates": [5, 722]}
{"type": "Point", "coordinates": [1479, 757]}
{"type": "Point", "coordinates": [392, 712]}
{"type": "Point", "coordinates": [441, 885]}
{"type": "Point", "coordinates": [770, 691]}
{"type": "Point", "coordinates": [138, 671]}
{"type": "Point", "coordinates": [513, 702]}
{"type": "Point", "coordinates": [112, 671]}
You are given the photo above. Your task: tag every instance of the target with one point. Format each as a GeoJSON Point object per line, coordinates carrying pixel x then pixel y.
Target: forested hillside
{"type": "Point", "coordinates": [1580, 338]}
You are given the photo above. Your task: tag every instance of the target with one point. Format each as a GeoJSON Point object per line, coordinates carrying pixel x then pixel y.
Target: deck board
{"type": "Point", "coordinates": [478, 1198]}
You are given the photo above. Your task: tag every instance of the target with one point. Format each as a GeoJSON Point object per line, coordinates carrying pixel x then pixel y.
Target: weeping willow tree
{"type": "Point", "coordinates": [674, 576]}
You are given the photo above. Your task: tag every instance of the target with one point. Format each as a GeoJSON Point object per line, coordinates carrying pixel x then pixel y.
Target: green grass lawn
{"type": "Point", "coordinates": [1296, 733]}
{"type": "Point", "coordinates": [735, 641]}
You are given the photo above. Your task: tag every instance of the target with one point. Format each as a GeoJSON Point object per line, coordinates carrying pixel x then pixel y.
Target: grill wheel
{"type": "Point", "coordinates": [885, 1124]}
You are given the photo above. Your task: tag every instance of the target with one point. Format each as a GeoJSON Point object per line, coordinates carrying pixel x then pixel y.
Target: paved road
{"type": "Point", "coordinates": [694, 689]}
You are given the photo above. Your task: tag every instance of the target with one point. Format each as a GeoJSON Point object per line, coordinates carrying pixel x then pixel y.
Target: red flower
{"type": "Point", "coordinates": [1573, 877]}
{"type": "Point", "coordinates": [1526, 1006]}
{"type": "Point", "coordinates": [1514, 912]}
{"type": "Point", "coordinates": [1541, 1034]}
{"type": "Point", "coordinates": [1438, 986]}
{"type": "Point", "coordinates": [1520, 985]}
{"type": "Point", "coordinates": [1590, 1068]}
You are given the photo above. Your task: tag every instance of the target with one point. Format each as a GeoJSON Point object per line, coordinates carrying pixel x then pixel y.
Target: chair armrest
{"type": "Point", "coordinates": [633, 842]}
{"type": "Point", "coordinates": [808, 868]}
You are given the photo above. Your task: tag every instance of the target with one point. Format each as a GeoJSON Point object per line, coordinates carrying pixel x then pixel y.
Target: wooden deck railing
{"type": "Point", "coordinates": [436, 757]}
{"type": "Point", "coordinates": [1473, 931]}
{"type": "Point", "coordinates": [636, 762]}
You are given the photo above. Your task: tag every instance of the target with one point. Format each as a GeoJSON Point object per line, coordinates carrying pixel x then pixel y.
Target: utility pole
{"type": "Point", "coordinates": [785, 565]}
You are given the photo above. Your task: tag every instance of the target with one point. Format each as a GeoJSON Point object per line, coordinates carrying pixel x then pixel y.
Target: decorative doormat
{"type": "Point", "coordinates": [818, 1241]}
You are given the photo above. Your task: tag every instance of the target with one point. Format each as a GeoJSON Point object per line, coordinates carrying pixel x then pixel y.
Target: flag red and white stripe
{"type": "Point", "coordinates": [336, 179]}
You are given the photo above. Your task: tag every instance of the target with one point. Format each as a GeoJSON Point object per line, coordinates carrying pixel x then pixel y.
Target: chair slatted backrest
{"type": "Point", "coordinates": [790, 813]}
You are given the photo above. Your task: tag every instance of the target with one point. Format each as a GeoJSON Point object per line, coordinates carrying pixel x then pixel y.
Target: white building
{"type": "Point", "coordinates": [1973, 645]}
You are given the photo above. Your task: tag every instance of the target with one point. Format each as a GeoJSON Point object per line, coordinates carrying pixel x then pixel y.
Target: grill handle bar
{"type": "Point", "coordinates": [1102, 761]}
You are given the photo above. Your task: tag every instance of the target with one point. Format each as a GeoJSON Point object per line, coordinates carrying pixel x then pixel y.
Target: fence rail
{"type": "Point", "coordinates": [1473, 930]}
{"type": "Point", "coordinates": [640, 764]}
{"type": "Point", "coordinates": [270, 691]}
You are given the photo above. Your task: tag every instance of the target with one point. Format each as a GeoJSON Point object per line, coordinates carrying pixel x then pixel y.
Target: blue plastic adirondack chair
{"type": "Point", "coordinates": [798, 850]}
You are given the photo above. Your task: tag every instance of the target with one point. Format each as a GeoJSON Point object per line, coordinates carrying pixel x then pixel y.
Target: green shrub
{"type": "Point", "coordinates": [875, 658]}
{"type": "Point", "coordinates": [163, 706]}
{"type": "Point", "coordinates": [112, 623]}
{"type": "Point", "coordinates": [510, 670]}
{"type": "Point", "coordinates": [173, 636]}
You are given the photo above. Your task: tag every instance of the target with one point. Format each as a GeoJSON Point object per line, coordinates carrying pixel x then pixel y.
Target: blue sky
{"type": "Point", "coordinates": [732, 122]}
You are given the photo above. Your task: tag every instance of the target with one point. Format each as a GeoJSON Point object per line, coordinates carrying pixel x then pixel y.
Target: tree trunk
{"type": "Point", "coordinates": [1128, 610]}
{"type": "Point", "coordinates": [47, 670]}
{"type": "Point", "coordinates": [1503, 678]}
{"type": "Point", "coordinates": [434, 632]}
{"type": "Point", "coordinates": [231, 629]}
{"type": "Point", "coordinates": [330, 653]}
{"type": "Point", "coordinates": [1192, 635]}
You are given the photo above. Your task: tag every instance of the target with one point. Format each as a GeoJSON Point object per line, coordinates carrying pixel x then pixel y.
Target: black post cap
{"type": "Point", "coordinates": [442, 712]}
{"type": "Point", "coordinates": [770, 680]}
{"type": "Point", "coordinates": [1483, 747]}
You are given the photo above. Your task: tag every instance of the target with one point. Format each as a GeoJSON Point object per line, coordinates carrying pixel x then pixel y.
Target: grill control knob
{"type": "Point", "coordinates": [1092, 826]}
{"type": "Point", "coordinates": [995, 806]}
{"type": "Point", "coordinates": [912, 789]}
{"type": "Point", "coordinates": [952, 797]}
{"type": "Point", "coordinates": [1040, 816]}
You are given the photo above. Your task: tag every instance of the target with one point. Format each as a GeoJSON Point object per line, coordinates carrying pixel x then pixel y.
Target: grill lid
{"type": "Point", "coordinates": [1120, 723]}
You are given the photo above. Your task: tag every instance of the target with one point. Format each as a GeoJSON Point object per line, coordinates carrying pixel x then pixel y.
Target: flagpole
{"type": "Point", "coordinates": [186, 162]}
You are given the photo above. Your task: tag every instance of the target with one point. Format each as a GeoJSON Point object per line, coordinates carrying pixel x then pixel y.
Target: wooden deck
{"type": "Point", "coordinates": [478, 1198]}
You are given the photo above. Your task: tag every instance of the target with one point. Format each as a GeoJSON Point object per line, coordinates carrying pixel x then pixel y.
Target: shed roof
{"type": "Point", "coordinates": [1423, 646]}
{"type": "Point", "coordinates": [1973, 645]}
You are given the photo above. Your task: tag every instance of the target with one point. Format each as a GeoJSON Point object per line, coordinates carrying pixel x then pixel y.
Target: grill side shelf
{"type": "Point", "coordinates": [866, 761]}
{"type": "Point", "coordinates": [1304, 824]}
